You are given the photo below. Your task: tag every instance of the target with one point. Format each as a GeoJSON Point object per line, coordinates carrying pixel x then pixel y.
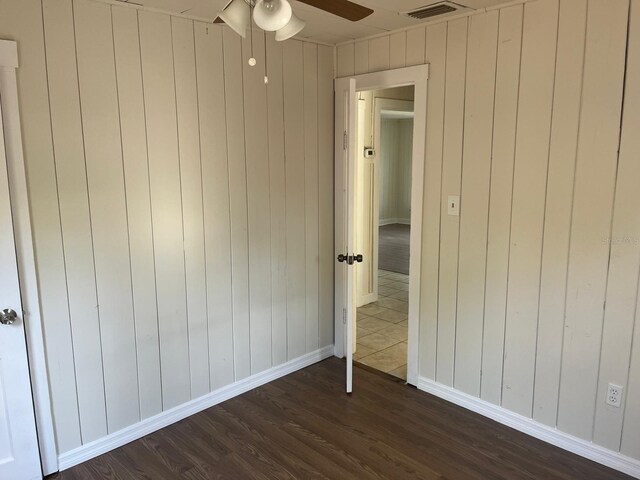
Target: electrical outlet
{"type": "Point", "coordinates": [614, 395]}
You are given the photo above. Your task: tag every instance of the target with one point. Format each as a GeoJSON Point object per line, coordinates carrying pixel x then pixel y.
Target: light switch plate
{"type": "Point", "coordinates": [453, 207]}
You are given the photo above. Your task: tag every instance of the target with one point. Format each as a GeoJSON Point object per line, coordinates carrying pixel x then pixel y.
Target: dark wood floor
{"type": "Point", "coordinates": [303, 426]}
{"type": "Point", "coordinates": [393, 248]}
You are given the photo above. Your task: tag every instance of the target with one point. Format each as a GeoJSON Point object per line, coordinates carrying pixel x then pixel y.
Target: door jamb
{"type": "Point", "coordinates": [417, 76]}
{"type": "Point", "coordinates": [26, 256]}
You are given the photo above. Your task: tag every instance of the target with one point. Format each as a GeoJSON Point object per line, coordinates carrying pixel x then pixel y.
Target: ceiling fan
{"type": "Point", "coordinates": [277, 15]}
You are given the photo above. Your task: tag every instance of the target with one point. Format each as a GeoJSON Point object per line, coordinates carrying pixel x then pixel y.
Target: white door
{"type": "Point", "coordinates": [345, 112]}
{"type": "Point", "coordinates": [19, 455]}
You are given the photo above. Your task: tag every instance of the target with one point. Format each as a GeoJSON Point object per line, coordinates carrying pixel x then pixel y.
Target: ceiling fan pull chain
{"type": "Point", "coordinates": [266, 76]}
{"type": "Point", "coordinates": [252, 60]}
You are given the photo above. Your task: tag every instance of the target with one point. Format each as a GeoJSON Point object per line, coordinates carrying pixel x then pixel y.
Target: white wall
{"type": "Point", "coordinates": [526, 303]}
{"type": "Point", "coordinates": [395, 170]}
{"type": "Point", "coordinates": [177, 229]}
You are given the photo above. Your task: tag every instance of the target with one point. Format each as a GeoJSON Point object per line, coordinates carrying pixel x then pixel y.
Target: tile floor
{"type": "Point", "coordinates": [381, 339]}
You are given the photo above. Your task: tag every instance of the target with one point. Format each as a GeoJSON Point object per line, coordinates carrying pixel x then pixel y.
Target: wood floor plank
{"type": "Point", "coordinates": [304, 426]}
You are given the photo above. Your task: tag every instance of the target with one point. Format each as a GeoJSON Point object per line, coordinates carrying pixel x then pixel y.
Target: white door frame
{"type": "Point", "coordinates": [25, 255]}
{"type": "Point", "coordinates": [418, 77]}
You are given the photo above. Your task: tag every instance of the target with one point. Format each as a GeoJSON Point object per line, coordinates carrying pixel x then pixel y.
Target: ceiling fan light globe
{"type": "Point", "coordinates": [238, 16]}
{"type": "Point", "coordinates": [272, 15]}
{"type": "Point", "coordinates": [291, 29]}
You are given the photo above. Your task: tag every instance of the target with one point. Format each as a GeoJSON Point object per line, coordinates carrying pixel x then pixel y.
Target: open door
{"type": "Point", "coordinates": [19, 454]}
{"type": "Point", "coordinates": [345, 124]}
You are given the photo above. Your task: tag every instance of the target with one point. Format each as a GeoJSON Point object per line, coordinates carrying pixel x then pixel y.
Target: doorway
{"type": "Point", "coordinates": [383, 226]}
{"type": "Point", "coordinates": [348, 257]}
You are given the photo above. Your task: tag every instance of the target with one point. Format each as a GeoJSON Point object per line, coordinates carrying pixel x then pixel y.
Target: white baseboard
{"type": "Point", "coordinates": [390, 221]}
{"type": "Point", "coordinates": [149, 425]}
{"type": "Point", "coordinates": [581, 447]}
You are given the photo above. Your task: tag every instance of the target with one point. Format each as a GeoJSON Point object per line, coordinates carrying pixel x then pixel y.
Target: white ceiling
{"type": "Point", "coordinates": [322, 26]}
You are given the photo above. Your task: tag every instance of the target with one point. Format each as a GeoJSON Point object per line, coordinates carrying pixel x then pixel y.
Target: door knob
{"type": "Point", "coordinates": [8, 316]}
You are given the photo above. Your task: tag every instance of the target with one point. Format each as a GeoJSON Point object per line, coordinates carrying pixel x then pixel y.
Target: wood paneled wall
{"type": "Point", "coordinates": [182, 209]}
{"type": "Point", "coordinates": [530, 296]}
{"type": "Point", "coordinates": [395, 170]}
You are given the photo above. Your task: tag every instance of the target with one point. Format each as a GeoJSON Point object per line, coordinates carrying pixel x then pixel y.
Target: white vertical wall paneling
{"type": "Point", "coordinates": [136, 178]}
{"type": "Point", "coordinates": [624, 262]}
{"type": "Point", "coordinates": [70, 175]}
{"type": "Point", "coordinates": [295, 193]}
{"type": "Point", "coordinates": [436, 55]}
{"type": "Point", "coordinates": [215, 190]}
{"type": "Point", "coordinates": [504, 135]}
{"type": "Point", "coordinates": [142, 75]}
{"type": "Point", "coordinates": [257, 148]}
{"type": "Point", "coordinates": [398, 50]}
{"type": "Point", "coordinates": [629, 166]}
{"type": "Point", "coordinates": [166, 201]}
{"type": "Point", "coordinates": [184, 61]}
{"type": "Point", "coordinates": [559, 200]}
{"type": "Point", "coordinates": [310, 104]}
{"type": "Point", "coordinates": [451, 183]}
{"type": "Point", "coordinates": [592, 210]}
{"type": "Point", "coordinates": [103, 155]}
{"type": "Point", "coordinates": [275, 107]}
{"type": "Point", "coordinates": [325, 196]}
{"type": "Point", "coordinates": [233, 62]}
{"type": "Point", "coordinates": [476, 183]}
{"type": "Point", "coordinates": [361, 56]}
{"type": "Point", "coordinates": [379, 53]}
{"type": "Point", "coordinates": [345, 61]}
{"type": "Point", "coordinates": [532, 149]}
{"type": "Point", "coordinates": [416, 44]}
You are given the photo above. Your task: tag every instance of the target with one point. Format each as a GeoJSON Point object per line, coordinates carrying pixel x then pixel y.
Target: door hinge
{"type": "Point", "coordinates": [345, 140]}
{"type": "Point", "coordinates": [344, 316]}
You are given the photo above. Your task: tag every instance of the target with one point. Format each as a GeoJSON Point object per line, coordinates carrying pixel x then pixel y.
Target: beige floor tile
{"type": "Point", "coordinates": [404, 308]}
{"type": "Point", "coordinates": [362, 351]}
{"type": "Point", "coordinates": [370, 309]}
{"type": "Point", "coordinates": [397, 331]}
{"type": "Point", "coordinates": [384, 273]}
{"type": "Point", "coordinates": [389, 315]}
{"type": "Point", "coordinates": [386, 281]}
{"type": "Point", "coordinates": [400, 372]}
{"type": "Point", "coordinates": [388, 359]}
{"type": "Point", "coordinates": [360, 315]}
{"type": "Point", "coordinates": [372, 324]}
{"type": "Point", "coordinates": [362, 332]}
{"type": "Point", "coordinates": [399, 277]}
{"type": "Point", "coordinates": [392, 303]}
{"type": "Point", "coordinates": [377, 342]}
{"type": "Point", "coordinates": [386, 291]}
{"type": "Point", "coordinates": [399, 295]}
{"type": "Point", "coordinates": [404, 323]}
{"type": "Point", "coordinates": [398, 285]}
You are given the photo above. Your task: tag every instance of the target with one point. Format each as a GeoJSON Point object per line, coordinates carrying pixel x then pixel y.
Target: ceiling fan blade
{"type": "Point", "coordinates": [342, 8]}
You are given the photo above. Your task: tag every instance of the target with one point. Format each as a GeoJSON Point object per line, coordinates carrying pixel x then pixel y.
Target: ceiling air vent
{"type": "Point", "coordinates": [440, 8]}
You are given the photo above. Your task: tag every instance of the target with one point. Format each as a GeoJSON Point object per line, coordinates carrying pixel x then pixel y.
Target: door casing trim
{"type": "Point", "coordinates": [418, 77]}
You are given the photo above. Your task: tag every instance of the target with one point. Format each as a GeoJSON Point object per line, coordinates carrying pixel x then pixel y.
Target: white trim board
{"type": "Point", "coordinates": [581, 447]}
{"type": "Point", "coordinates": [390, 221]}
{"type": "Point", "coordinates": [164, 419]}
